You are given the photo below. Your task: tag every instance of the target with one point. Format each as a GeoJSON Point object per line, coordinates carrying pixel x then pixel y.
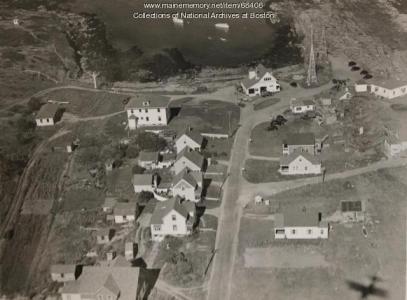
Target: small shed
{"type": "Point", "coordinates": [104, 235]}
{"type": "Point", "coordinates": [64, 273]}
{"type": "Point", "coordinates": [353, 210]}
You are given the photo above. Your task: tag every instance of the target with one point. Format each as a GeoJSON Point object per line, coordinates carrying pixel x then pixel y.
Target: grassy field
{"type": "Point", "coordinates": [321, 269]}
{"type": "Point", "coordinates": [218, 148]}
{"type": "Point", "coordinates": [86, 103]}
{"type": "Point", "coordinates": [209, 116]}
{"type": "Point", "coordinates": [269, 143]}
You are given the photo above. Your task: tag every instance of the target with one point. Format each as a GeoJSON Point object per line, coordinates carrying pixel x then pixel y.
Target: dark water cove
{"type": "Point", "coordinates": [198, 39]}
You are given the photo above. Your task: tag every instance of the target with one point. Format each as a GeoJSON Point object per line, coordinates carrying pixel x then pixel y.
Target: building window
{"type": "Point", "coordinates": [309, 231]}
{"type": "Point", "coordinates": [174, 227]}
{"type": "Point", "coordinates": [48, 120]}
{"type": "Point", "coordinates": [146, 110]}
{"type": "Point", "coordinates": [174, 217]}
{"type": "Point", "coordinates": [62, 275]}
{"type": "Point", "coordinates": [132, 111]}
{"type": "Point", "coordinates": [157, 227]}
{"type": "Point", "coordinates": [158, 110]}
{"type": "Point", "coordinates": [293, 231]}
{"type": "Point", "coordinates": [159, 118]}
{"type": "Point", "coordinates": [139, 110]}
{"type": "Point", "coordinates": [124, 217]}
{"type": "Point", "coordinates": [147, 119]}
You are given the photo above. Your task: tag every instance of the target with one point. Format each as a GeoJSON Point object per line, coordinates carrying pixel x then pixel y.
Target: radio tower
{"type": "Point", "coordinates": [312, 69]}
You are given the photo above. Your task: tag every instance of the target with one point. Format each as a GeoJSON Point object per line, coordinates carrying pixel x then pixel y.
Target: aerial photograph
{"type": "Point", "coordinates": [203, 149]}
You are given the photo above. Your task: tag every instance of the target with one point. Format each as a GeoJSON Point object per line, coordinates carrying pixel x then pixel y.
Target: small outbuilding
{"type": "Point", "coordinates": [353, 210]}
{"type": "Point", "coordinates": [125, 212]}
{"type": "Point", "coordinates": [64, 273]}
{"type": "Point", "coordinates": [47, 115]}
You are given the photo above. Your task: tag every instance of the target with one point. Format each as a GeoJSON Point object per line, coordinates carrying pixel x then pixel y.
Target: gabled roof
{"type": "Point", "coordinates": [300, 139]}
{"type": "Point", "coordinates": [287, 159]}
{"type": "Point", "coordinates": [187, 177]}
{"type": "Point", "coordinates": [125, 208]}
{"type": "Point", "coordinates": [193, 135]}
{"type": "Point", "coordinates": [260, 72]}
{"type": "Point", "coordinates": [162, 209]}
{"type": "Point", "coordinates": [111, 286]}
{"type": "Point", "coordinates": [148, 101]}
{"type": "Point", "coordinates": [297, 217]}
{"type": "Point", "coordinates": [63, 269]}
{"type": "Point", "coordinates": [48, 110]}
{"type": "Point", "coordinates": [148, 156]}
{"type": "Point", "coordinates": [123, 281]}
{"type": "Point", "coordinates": [388, 83]}
{"type": "Point", "coordinates": [142, 179]}
{"type": "Point", "coordinates": [192, 156]}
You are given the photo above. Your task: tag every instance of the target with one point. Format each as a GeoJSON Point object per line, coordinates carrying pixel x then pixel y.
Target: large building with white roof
{"type": "Point", "coordinates": [386, 88]}
{"type": "Point", "coordinates": [260, 80]}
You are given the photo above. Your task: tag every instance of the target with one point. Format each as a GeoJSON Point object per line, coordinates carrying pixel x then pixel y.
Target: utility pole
{"type": "Point", "coordinates": [312, 69]}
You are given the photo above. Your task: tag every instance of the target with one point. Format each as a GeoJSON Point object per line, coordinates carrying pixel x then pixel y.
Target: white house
{"type": "Point", "coordinates": [148, 160]}
{"type": "Point", "coordinates": [296, 223]}
{"type": "Point", "coordinates": [191, 160]}
{"type": "Point", "coordinates": [173, 217]}
{"type": "Point", "coordinates": [188, 185]}
{"type": "Point", "coordinates": [301, 106]}
{"type": "Point", "coordinates": [191, 139]}
{"type": "Point", "coordinates": [143, 183]}
{"type": "Point", "coordinates": [389, 88]}
{"type": "Point", "coordinates": [299, 142]}
{"type": "Point", "coordinates": [106, 282]}
{"type": "Point", "coordinates": [260, 80]}
{"type": "Point", "coordinates": [47, 115]}
{"type": "Point", "coordinates": [300, 163]}
{"type": "Point", "coordinates": [63, 273]}
{"type": "Point", "coordinates": [148, 110]}
{"type": "Point", "coordinates": [124, 212]}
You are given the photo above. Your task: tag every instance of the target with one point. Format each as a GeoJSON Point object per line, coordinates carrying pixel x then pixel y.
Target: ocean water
{"type": "Point", "coordinates": [198, 39]}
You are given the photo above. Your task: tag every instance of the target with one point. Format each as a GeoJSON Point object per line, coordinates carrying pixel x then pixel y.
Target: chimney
{"type": "Point", "coordinates": [111, 255]}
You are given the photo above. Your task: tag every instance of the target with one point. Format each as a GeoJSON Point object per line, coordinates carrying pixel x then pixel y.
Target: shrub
{"type": "Point", "coordinates": [144, 197]}
{"type": "Point", "coordinates": [150, 142]}
{"type": "Point", "coordinates": [138, 170]}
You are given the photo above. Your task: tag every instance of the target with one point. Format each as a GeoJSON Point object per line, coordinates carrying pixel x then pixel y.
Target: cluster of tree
{"type": "Point", "coordinates": [145, 141]}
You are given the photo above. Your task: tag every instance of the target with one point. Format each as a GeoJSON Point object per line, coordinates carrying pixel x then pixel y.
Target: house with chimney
{"type": "Point", "coordinates": [300, 223]}
{"type": "Point", "coordinates": [190, 160]}
{"type": "Point", "coordinates": [174, 217]}
{"type": "Point", "coordinates": [188, 185]}
{"type": "Point", "coordinates": [191, 139]}
{"type": "Point", "coordinates": [260, 80]}
{"type": "Point", "coordinates": [148, 110]}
